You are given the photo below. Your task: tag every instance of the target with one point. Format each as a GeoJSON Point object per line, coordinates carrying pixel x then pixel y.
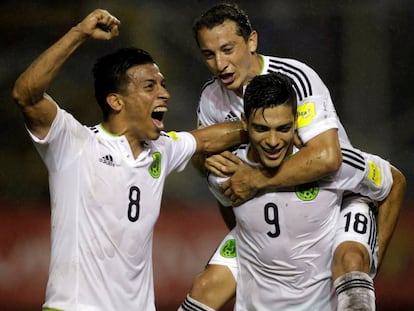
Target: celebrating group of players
{"type": "Point", "coordinates": [310, 216]}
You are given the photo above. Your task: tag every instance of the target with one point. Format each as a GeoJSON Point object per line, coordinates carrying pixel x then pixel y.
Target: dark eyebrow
{"type": "Point", "coordinates": [265, 126]}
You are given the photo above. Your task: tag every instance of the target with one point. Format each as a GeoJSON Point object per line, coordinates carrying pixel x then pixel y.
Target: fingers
{"type": "Point", "coordinates": [215, 171]}
{"type": "Point", "coordinates": [217, 167]}
{"type": "Point", "coordinates": [108, 23]}
{"type": "Point", "coordinates": [226, 163]}
{"type": "Point", "coordinates": [100, 24]}
{"type": "Point", "coordinates": [232, 196]}
{"type": "Point", "coordinates": [237, 193]}
{"type": "Point", "coordinates": [231, 157]}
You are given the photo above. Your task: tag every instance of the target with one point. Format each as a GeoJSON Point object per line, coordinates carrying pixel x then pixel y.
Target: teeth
{"type": "Point", "coordinates": [160, 109]}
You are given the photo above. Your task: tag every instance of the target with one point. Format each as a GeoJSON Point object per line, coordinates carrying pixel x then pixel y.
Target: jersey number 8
{"type": "Point", "coordinates": [133, 206]}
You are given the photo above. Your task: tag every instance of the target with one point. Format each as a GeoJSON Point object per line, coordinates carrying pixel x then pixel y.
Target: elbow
{"type": "Point", "coordinates": [25, 93]}
{"type": "Point", "coordinates": [332, 159]}
{"type": "Point", "coordinates": [20, 93]}
{"type": "Point", "coordinates": [399, 180]}
{"type": "Point", "coordinates": [17, 92]}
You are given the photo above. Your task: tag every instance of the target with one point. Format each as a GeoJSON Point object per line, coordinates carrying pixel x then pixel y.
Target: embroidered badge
{"type": "Point", "coordinates": [228, 250]}
{"type": "Point", "coordinates": [155, 167]}
{"type": "Point", "coordinates": [307, 192]}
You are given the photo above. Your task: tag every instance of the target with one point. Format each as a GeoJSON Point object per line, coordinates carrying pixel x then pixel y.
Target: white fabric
{"type": "Point", "coordinates": [285, 239]}
{"type": "Point", "coordinates": [357, 223]}
{"type": "Point", "coordinates": [104, 204]}
{"type": "Point", "coordinates": [220, 257]}
{"type": "Point", "coordinates": [317, 113]}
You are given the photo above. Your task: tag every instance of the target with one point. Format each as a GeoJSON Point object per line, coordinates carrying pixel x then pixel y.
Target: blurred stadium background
{"type": "Point", "coordinates": [361, 49]}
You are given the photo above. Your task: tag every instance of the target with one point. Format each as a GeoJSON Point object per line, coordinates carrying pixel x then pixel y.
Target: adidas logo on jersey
{"type": "Point", "coordinates": [108, 160]}
{"type": "Point", "coordinates": [231, 116]}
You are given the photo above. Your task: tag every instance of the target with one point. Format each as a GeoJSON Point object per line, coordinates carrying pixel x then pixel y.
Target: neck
{"type": "Point", "coordinates": [255, 70]}
{"type": "Point", "coordinates": [136, 145]}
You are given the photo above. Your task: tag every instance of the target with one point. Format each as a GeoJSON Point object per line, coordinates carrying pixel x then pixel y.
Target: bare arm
{"type": "Point", "coordinates": [388, 212]}
{"type": "Point", "coordinates": [219, 137]}
{"type": "Point", "coordinates": [29, 91]}
{"type": "Point", "coordinates": [319, 157]}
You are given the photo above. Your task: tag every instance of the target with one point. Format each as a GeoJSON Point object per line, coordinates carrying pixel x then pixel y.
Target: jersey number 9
{"type": "Point", "coordinates": [271, 216]}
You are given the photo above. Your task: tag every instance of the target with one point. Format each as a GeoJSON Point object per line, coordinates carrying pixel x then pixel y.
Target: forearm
{"type": "Point", "coordinates": [308, 165]}
{"type": "Point", "coordinates": [388, 212]}
{"type": "Point", "coordinates": [219, 137]}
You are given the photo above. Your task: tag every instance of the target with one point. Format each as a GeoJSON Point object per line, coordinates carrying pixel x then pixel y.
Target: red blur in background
{"type": "Point", "coordinates": [185, 237]}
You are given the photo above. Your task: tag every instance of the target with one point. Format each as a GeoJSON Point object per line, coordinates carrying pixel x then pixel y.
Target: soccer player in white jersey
{"type": "Point", "coordinates": [106, 182]}
{"type": "Point", "coordinates": [285, 237]}
{"type": "Point", "coordinates": [228, 43]}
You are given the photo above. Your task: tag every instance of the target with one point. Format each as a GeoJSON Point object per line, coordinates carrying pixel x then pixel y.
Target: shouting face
{"type": "Point", "coordinates": [228, 55]}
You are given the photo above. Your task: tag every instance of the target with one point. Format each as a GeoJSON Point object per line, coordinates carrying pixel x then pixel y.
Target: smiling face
{"type": "Point", "coordinates": [228, 55]}
{"type": "Point", "coordinates": [144, 102]}
{"type": "Point", "coordinates": [271, 132]}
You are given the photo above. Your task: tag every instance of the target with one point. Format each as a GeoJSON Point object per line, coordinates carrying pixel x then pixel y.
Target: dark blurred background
{"type": "Point", "coordinates": [362, 49]}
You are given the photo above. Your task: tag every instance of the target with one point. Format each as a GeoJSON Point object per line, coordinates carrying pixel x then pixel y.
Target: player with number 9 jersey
{"type": "Point", "coordinates": [285, 238]}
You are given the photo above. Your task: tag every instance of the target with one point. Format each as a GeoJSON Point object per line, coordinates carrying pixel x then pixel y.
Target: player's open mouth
{"type": "Point", "coordinates": [273, 154]}
{"type": "Point", "coordinates": [227, 78]}
{"type": "Point", "coordinates": [157, 117]}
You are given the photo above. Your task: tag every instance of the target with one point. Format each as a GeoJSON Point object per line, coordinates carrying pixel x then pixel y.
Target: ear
{"type": "Point", "coordinates": [115, 101]}
{"type": "Point", "coordinates": [244, 121]}
{"type": "Point", "coordinates": [252, 42]}
{"type": "Point", "coordinates": [296, 121]}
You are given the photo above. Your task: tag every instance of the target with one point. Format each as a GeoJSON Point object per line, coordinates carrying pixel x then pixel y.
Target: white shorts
{"type": "Point", "coordinates": [225, 255]}
{"type": "Point", "coordinates": [358, 223]}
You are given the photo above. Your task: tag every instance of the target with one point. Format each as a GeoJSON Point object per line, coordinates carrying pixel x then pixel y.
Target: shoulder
{"type": "Point", "coordinates": [209, 84]}
{"type": "Point", "coordinates": [212, 88]}
{"type": "Point", "coordinates": [288, 64]}
{"type": "Point", "coordinates": [306, 80]}
{"type": "Point", "coordinates": [64, 125]}
{"type": "Point", "coordinates": [173, 139]}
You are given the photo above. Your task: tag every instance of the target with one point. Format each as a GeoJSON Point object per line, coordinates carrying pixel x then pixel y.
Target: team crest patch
{"type": "Point", "coordinates": [155, 167]}
{"type": "Point", "coordinates": [228, 250]}
{"type": "Point", "coordinates": [306, 113]}
{"type": "Point", "coordinates": [307, 192]}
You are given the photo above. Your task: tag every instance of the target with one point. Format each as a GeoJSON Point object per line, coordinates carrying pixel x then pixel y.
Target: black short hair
{"type": "Point", "coordinates": [269, 90]}
{"type": "Point", "coordinates": [110, 76]}
{"type": "Point", "coordinates": [219, 13]}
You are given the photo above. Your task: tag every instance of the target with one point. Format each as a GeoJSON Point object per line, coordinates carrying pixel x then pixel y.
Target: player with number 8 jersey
{"type": "Point", "coordinates": [106, 182]}
{"type": "Point", "coordinates": [106, 205]}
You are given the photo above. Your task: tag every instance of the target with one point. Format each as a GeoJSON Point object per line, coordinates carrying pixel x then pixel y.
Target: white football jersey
{"type": "Point", "coordinates": [284, 239]}
{"type": "Point", "coordinates": [104, 205]}
{"type": "Point", "coordinates": [316, 112]}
